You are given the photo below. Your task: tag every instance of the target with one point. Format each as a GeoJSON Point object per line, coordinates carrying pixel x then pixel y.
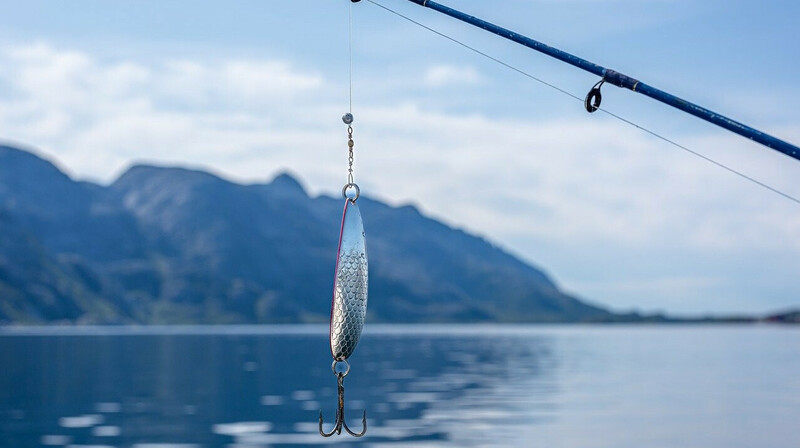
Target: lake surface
{"type": "Point", "coordinates": [422, 386]}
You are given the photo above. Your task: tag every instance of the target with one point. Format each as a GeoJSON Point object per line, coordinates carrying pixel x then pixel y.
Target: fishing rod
{"type": "Point", "coordinates": [594, 97]}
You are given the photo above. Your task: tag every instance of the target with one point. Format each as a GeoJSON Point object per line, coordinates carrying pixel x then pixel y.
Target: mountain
{"type": "Point", "coordinates": [173, 245]}
{"type": "Point", "coordinates": [785, 317]}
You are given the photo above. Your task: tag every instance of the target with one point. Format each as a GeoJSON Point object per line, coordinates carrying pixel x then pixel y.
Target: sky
{"type": "Point", "coordinates": [249, 89]}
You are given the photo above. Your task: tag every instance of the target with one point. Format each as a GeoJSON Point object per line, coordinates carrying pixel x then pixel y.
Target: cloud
{"type": "Point", "coordinates": [563, 175]}
{"type": "Point", "coordinates": [612, 211]}
{"type": "Point", "coordinates": [443, 75]}
{"type": "Point", "coordinates": [98, 115]}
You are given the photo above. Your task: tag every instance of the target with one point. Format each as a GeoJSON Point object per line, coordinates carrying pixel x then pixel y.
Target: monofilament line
{"type": "Point", "coordinates": [350, 52]}
{"type": "Point", "coordinates": [575, 97]}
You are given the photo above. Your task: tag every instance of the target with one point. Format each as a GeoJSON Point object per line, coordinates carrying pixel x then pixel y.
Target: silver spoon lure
{"type": "Point", "coordinates": [349, 303]}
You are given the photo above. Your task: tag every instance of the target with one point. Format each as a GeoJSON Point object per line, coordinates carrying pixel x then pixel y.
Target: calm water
{"type": "Point", "coordinates": [422, 386]}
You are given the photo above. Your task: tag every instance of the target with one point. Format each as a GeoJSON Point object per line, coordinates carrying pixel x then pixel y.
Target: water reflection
{"type": "Point", "coordinates": [178, 390]}
{"type": "Point", "coordinates": [455, 386]}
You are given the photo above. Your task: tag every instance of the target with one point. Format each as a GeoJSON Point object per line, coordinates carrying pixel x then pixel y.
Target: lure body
{"type": "Point", "coordinates": [349, 303]}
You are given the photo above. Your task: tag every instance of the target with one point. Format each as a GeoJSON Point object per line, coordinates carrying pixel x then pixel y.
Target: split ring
{"type": "Point", "coordinates": [337, 364]}
{"type": "Point", "coordinates": [349, 185]}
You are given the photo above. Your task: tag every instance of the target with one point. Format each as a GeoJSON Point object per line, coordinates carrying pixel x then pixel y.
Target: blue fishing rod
{"type": "Point", "coordinates": [594, 97]}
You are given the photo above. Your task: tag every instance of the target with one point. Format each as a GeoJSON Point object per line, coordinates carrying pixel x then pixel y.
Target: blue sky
{"type": "Point", "coordinates": [249, 89]}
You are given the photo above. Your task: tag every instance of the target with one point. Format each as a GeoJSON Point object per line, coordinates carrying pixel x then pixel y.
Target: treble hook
{"type": "Point", "coordinates": [340, 420]}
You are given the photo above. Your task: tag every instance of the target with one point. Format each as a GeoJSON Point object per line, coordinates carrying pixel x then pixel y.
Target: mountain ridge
{"type": "Point", "coordinates": [168, 244]}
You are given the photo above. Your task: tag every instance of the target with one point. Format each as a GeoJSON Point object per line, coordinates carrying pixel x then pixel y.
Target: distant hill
{"type": "Point", "coordinates": [172, 245]}
{"type": "Point", "coordinates": [786, 317]}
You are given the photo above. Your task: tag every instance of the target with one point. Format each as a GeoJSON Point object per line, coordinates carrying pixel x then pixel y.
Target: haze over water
{"type": "Point", "coordinates": [422, 386]}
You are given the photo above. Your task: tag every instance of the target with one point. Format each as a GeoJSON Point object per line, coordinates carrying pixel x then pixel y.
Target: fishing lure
{"type": "Point", "coordinates": [349, 302]}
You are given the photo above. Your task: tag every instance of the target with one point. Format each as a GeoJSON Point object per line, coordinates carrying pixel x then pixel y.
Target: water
{"type": "Point", "coordinates": [422, 386]}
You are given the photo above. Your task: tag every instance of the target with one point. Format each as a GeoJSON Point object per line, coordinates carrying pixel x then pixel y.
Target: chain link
{"type": "Point", "coordinates": [350, 144]}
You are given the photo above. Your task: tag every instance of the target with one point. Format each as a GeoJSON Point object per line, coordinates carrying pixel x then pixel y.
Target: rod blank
{"type": "Point", "coordinates": [621, 80]}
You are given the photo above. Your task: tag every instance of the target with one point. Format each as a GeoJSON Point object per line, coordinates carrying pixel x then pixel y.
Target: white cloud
{"type": "Point", "coordinates": [98, 115]}
{"type": "Point", "coordinates": [583, 196]}
{"type": "Point", "coordinates": [443, 75]}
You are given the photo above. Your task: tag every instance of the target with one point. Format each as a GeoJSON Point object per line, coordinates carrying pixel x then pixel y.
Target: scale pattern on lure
{"type": "Point", "coordinates": [349, 305]}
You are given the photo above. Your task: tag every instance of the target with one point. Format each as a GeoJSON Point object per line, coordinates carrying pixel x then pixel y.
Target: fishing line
{"type": "Point", "coordinates": [350, 52]}
{"type": "Point", "coordinates": [577, 98]}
